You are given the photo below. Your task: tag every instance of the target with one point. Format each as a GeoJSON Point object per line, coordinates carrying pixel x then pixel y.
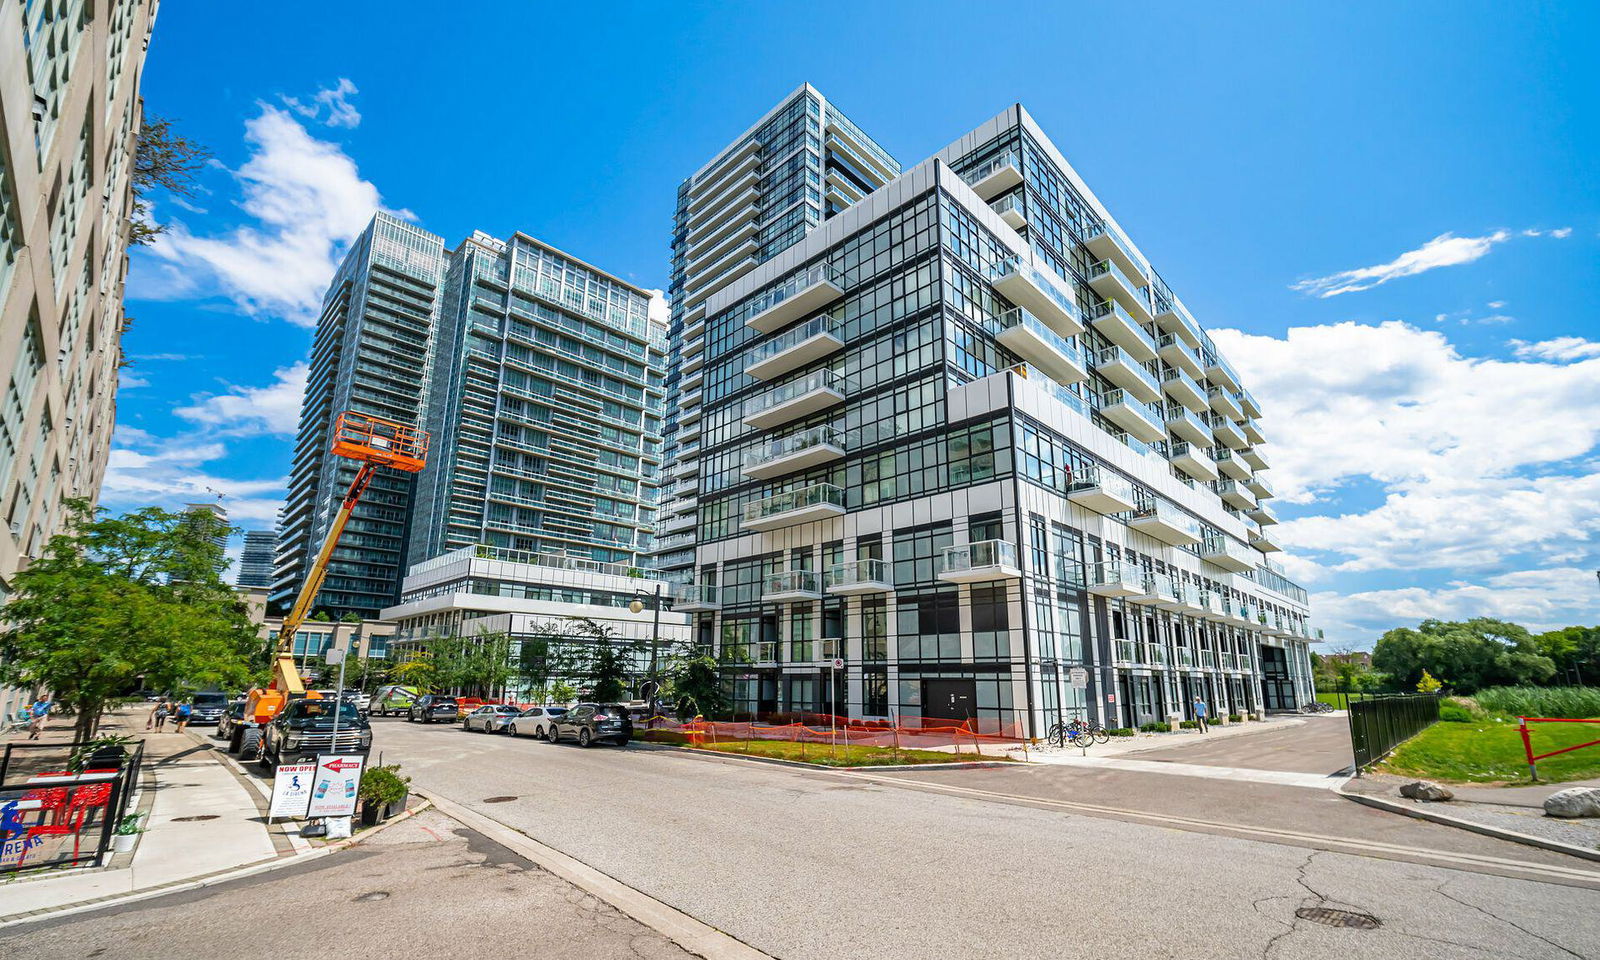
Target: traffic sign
{"type": "Point", "coordinates": [838, 663]}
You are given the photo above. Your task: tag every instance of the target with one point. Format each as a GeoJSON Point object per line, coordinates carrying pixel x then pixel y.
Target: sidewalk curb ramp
{"type": "Point", "coordinates": [181, 886]}
{"type": "Point", "coordinates": [1416, 812]}
{"type": "Point", "coordinates": [695, 936]}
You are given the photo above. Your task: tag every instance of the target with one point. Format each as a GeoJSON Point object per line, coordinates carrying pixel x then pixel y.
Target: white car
{"type": "Point", "coordinates": [535, 722]}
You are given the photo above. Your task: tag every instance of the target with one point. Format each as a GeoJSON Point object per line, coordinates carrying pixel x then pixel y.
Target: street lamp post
{"type": "Point", "coordinates": [637, 606]}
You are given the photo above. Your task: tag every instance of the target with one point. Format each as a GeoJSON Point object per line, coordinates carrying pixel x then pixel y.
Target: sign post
{"type": "Point", "coordinates": [834, 665]}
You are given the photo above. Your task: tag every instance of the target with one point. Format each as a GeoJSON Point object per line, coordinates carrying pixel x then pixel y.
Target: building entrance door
{"type": "Point", "coordinates": [949, 699]}
{"type": "Point", "coordinates": [1277, 689]}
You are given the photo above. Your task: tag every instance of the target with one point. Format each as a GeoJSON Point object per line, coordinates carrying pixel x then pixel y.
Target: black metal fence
{"type": "Point", "coordinates": [1381, 722]}
{"type": "Point", "coordinates": [60, 804]}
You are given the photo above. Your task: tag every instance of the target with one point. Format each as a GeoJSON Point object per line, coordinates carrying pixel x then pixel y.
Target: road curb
{"type": "Point", "coordinates": [802, 765]}
{"type": "Point", "coordinates": [1527, 839]}
{"type": "Point", "coordinates": [695, 936]}
{"type": "Point", "coordinates": [196, 883]}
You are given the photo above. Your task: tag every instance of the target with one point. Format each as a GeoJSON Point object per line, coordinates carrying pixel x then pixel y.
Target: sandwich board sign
{"type": "Point", "coordinates": [291, 790]}
{"type": "Point", "coordinates": [333, 788]}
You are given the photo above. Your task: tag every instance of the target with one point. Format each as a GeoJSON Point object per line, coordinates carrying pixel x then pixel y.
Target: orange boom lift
{"type": "Point", "coordinates": [373, 442]}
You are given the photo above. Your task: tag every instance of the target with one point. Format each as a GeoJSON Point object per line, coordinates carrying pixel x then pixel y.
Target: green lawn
{"type": "Point", "coordinates": [1490, 752]}
{"type": "Point", "coordinates": [823, 754]}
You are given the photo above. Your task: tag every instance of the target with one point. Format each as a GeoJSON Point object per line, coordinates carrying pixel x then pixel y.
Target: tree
{"type": "Point", "coordinates": [116, 599]}
{"type": "Point", "coordinates": [1428, 684]}
{"type": "Point", "coordinates": [696, 687]}
{"type": "Point", "coordinates": [562, 692]}
{"type": "Point", "coordinates": [608, 677]}
{"type": "Point", "coordinates": [1474, 654]}
{"type": "Point", "coordinates": [163, 160]}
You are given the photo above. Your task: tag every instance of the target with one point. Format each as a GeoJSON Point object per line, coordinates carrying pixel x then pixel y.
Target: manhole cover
{"type": "Point", "coordinates": [203, 816]}
{"type": "Point", "coordinates": [498, 799]}
{"type": "Point", "coordinates": [1328, 916]}
{"type": "Point", "coordinates": [372, 896]}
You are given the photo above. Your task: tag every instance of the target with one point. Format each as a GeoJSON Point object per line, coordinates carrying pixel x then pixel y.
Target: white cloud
{"type": "Point", "coordinates": [1540, 599]}
{"type": "Point", "coordinates": [335, 100]}
{"type": "Point", "coordinates": [1560, 349]}
{"type": "Point", "coordinates": [169, 473]}
{"type": "Point", "coordinates": [1560, 233]}
{"type": "Point", "coordinates": [1495, 304]}
{"type": "Point", "coordinates": [127, 381]}
{"type": "Point", "coordinates": [274, 408]}
{"type": "Point", "coordinates": [306, 201]}
{"type": "Point", "coordinates": [1445, 250]}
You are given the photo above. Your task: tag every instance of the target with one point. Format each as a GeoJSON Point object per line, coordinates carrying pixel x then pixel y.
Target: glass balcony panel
{"type": "Point", "coordinates": [859, 576]}
{"type": "Point", "coordinates": [1133, 415]}
{"type": "Point", "coordinates": [1041, 294]}
{"type": "Point", "coordinates": [1106, 242]}
{"type": "Point", "coordinates": [791, 585]}
{"type": "Point", "coordinates": [1228, 553]}
{"type": "Point", "coordinates": [1009, 207]}
{"type": "Point", "coordinates": [799, 398]}
{"type": "Point", "coordinates": [793, 349]}
{"type": "Point", "coordinates": [1031, 339]}
{"type": "Point", "coordinates": [1102, 491]}
{"type": "Point", "coordinates": [694, 598]}
{"type": "Point", "coordinates": [1114, 578]}
{"type": "Point", "coordinates": [984, 560]}
{"type": "Point", "coordinates": [796, 452]}
{"type": "Point", "coordinates": [1119, 366]}
{"type": "Point", "coordinates": [806, 292]}
{"type": "Point", "coordinates": [1193, 460]}
{"type": "Point", "coordinates": [1166, 523]}
{"type": "Point", "coordinates": [818, 501]}
{"type": "Point", "coordinates": [1122, 328]}
{"type": "Point", "coordinates": [995, 176]}
{"type": "Point", "coordinates": [1107, 279]}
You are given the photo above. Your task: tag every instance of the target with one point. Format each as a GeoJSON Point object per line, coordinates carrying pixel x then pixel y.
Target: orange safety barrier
{"type": "Point", "coordinates": [1527, 741]}
{"type": "Point", "coordinates": [915, 733]}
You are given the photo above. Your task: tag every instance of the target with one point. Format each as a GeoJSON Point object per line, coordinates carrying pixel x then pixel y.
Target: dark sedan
{"type": "Point", "coordinates": [592, 723]}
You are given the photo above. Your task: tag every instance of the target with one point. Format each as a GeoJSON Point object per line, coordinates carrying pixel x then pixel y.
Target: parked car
{"type": "Point", "coordinates": [394, 701]}
{"type": "Point", "coordinates": [534, 722]}
{"type": "Point", "coordinates": [305, 728]}
{"type": "Point", "coordinates": [207, 708]}
{"type": "Point", "coordinates": [591, 723]}
{"type": "Point", "coordinates": [231, 717]}
{"type": "Point", "coordinates": [432, 707]}
{"type": "Point", "coordinates": [361, 699]}
{"type": "Point", "coordinates": [489, 719]}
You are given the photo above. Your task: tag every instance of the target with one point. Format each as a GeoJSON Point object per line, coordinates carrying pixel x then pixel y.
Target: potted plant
{"type": "Point", "coordinates": [383, 793]}
{"type": "Point", "coordinates": [101, 752]}
{"type": "Point", "coordinates": [127, 833]}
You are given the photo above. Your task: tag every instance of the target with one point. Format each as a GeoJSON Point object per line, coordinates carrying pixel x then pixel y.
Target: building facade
{"type": "Point", "coordinates": [70, 115]}
{"type": "Point", "coordinates": [800, 164]}
{"type": "Point", "coordinates": [255, 561]}
{"type": "Point", "coordinates": [961, 435]}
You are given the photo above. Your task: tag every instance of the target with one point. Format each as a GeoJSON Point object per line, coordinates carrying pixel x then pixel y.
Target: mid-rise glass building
{"type": "Point", "coordinates": [963, 436]}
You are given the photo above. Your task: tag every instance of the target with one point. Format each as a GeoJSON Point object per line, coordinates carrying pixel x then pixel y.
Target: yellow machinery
{"type": "Point", "coordinates": [374, 442]}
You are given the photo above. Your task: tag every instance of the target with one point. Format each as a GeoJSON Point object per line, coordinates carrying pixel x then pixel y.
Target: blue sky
{"type": "Point", "coordinates": [1388, 213]}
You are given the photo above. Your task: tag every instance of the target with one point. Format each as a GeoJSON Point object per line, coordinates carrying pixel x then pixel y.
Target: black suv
{"type": "Point", "coordinates": [207, 708]}
{"type": "Point", "coordinates": [304, 729]}
{"type": "Point", "coordinates": [432, 707]}
{"type": "Point", "coordinates": [591, 723]}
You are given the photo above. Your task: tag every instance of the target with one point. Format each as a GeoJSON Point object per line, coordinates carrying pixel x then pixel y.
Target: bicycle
{"type": "Point", "coordinates": [1316, 706]}
{"type": "Point", "coordinates": [1077, 732]}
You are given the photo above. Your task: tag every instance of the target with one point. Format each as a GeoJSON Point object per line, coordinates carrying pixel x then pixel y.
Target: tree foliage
{"type": "Point", "coordinates": [163, 160]}
{"type": "Point", "coordinates": [479, 665]}
{"type": "Point", "coordinates": [1468, 655]}
{"type": "Point", "coordinates": [695, 687]}
{"type": "Point", "coordinates": [119, 602]}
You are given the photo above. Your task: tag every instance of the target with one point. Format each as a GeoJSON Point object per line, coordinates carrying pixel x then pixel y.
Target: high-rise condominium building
{"type": "Point", "coordinates": [255, 562]}
{"type": "Point", "coordinates": [797, 166]}
{"type": "Point", "coordinates": [70, 115]}
{"type": "Point", "coordinates": [539, 378]}
{"type": "Point", "coordinates": [963, 436]}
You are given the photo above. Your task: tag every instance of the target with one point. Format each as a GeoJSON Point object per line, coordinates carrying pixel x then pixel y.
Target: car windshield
{"type": "Point", "coordinates": [508, 711]}
{"type": "Point", "coordinates": [210, 699]}
{"type": "Point", "coordinates": [320, 711]}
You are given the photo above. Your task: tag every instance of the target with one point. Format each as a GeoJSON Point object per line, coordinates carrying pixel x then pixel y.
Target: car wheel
{"type": "Point", "coordinates": [551, 734]}
{"type": "Point", "coordinates": [623, 742]}
{"type": "Point", "coordinates": [585, 739]}
{"type": "Point", "coordinates": [512, 729]}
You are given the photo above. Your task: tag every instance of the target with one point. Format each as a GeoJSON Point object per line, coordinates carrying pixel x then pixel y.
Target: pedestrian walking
{"type": "Point", "coordinates": [162, 710]}
{"type": "Point", "coordinates": [183, 710]}
{"type": "Point", "coordinates": [1200, 711]}
{"type": "Point", "coordinates": [37, 714]}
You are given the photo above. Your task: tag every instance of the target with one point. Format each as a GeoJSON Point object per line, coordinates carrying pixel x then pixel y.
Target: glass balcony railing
{"type": "Point", "coordinates": [993, 166]}
{"type": "Point", "coordinates": [1155, 655]}
{"type": "Point", "coordinates": [814, 327]}
{"type": "Point", "coordinates": [804, 280]}
{"type": "Point", "coordinates": [1048, 384]}
{"type": "Point", "coordinates": [1010, 204]}
{"type": "Point", "coordinates": [824, 379]}
{"type": "Point", "coordinates": [1091, 477]}
{"type": "Point", "coordinates": [1226, 397]}
{"type": "Point", "coordinates": [1164, 513]}
{"type": "Point", "coordinates": [1017, 267]}
{"type": "Point", "coordinates": [1111, 398]}
{"type": "Point", "coordinates": [1178, 376]}
{"type": "Point", "coordinates": [1109, 269]}
{"type": "Point", "coordinates": [817, 436]}
{"type": "Point", "coordinates": [964, 557]}
{"type": "Point", "coordinates": [1105, 231]}
{"type": "Point", "coordinates": [1185, 657]}
{"type": "Point", "coordinates": [1112, 311]}
{"type": "Point", "coordinates": [814, 495]}
{"type": "Point", "coordinates": [694, 594]}
{"type": "Point", "coordinates": [1113, 573]}
{"type": "Point", "coordinates": [1115, 354]}
{"type": "Point", "coordinates": [1017, 317]}
{"type": "Point", "coordinates": [858, 573]}
{"type": "Point", "coordinates": [792, 582]}
{"type": "Point", "coordinates": [1176, 414]}
{"type": "Point", "coordinates": [1125, 651]}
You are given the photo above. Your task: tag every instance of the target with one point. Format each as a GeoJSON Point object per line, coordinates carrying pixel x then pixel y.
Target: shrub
{"type": "Point", "coordinates": [1235, 718]}
{"type": "Point", "coordinates": [1188, 724]}
{"type": "Point", "coordinates": [383, 784]}
{"type": "Point", "coordinates": [1573, 702]}
{"type": "Point", "coordinates": [1152, 727]}
{"type": "Point", "coordinates": [1454, 713]}
{"type": "Point", "coordinates": [1120, 732]}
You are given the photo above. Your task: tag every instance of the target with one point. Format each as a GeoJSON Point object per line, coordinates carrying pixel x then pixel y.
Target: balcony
{"type": "Point", "coordinates": [1210, 605]}
{"type": "Point", "coordinates": [978, 562]}
{"type": "Point", "coordinates": [1263, 515]}
{"type": "Point", "coordinates": [1230, 463]}
{"type": "Point", "coordinates": [1165, 522]}
{"type": "Point", "coordinates": [1177, 354]}
{"type": "Point", "coordinates": [1228, 553]}
{"type": "Point", "coordinates": [1258, 486]}
{"type": "Point", "coordinates": [1235, 494]}
{"type": "Point", "coordinates": [1185, 658]}
{"type": "Point", "coordinates": [1102, 491]}
{"type": "Point", "coordinates": [1108, 280]}
{"type": "Point", "coordinates": [1029, 288]}
{"type": "Point", "coordinates": [678, 523]}
{"type": "Point", "coordinates": [1248, 401]}
{"type": "Point", "coordinates": [1125, 652]}
{"type": "Point", "coordinates": [816, 391]}
{"type": "Point", "coordinates": [855, 577]}
{"type": "Point", "coordinates": [1029, 338]}
{"type": "Point", "coordinates": [996, 176]}
{"type": "Point", "coordinates": [1118, 366]}
{"type": "Point", "coordinates": [1219, 371]}
{"type": "Point", "coordinates": [1009, 207]}
{"type": "Point", "coordinates": [799, 451]}
{"type": "Point", "coordinates": [1264, 542]}
{"type": "Point", "coordinates": [1184, 389]}
{"type": "Point", "coordinates": [818, 501]}
{"type": "Point", "coordinates": [1156, 590]}
{"type": "Point", "coordinates": [1114, 578]}
{"type": "Point", "coordinates": [792, 586]}
{"type": "Point", "coordinates": [1252, 456]}
{"type": "Point", "coordinates": [1120, 327]}
{"type": "Point", "coordinates": [796, 348]}
{"type": "Point", "coordinates": [805, 293]}
{"type": "Point", "coordinates": [1224, 402]}
{"type": "Point", "coordinates": [695, 598]}
{"type": "Point", "coordinates": [1226, 431]}
{"type": "Point", "coordinates": [1252, 430]}
{"type": "Point", "coordinates": [1185, 425]}
{"type": "Point", "coordinates": [1107, 243]}
{"type": "Point", "coordinates": [1133, 415]}
{"type": "Point", "coordinates": [1193, 460]}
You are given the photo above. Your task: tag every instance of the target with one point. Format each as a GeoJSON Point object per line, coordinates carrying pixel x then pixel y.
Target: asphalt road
{"type": "Point", "coordinates": [427, 887]}
{"type": "Point", "coordinates": [1006, 863]}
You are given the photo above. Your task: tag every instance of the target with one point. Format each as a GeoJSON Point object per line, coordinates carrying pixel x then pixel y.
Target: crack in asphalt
{"type": "Point", "coordinates": [1440, 890]}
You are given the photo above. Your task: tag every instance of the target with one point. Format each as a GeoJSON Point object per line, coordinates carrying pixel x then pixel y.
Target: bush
{"type": "Point", "coordinates": [1455, 713]}
{"type": "Point", "coordinates": [1235, 718]}
{"type": "Point", "coordinates": [1188, 724]}
{"type": "Point", "coordinates": [383, 784]}
{"type": "Point", "coordinates": [1572, 702]}
{"type": "Point", "coordinates": [1152, 727]}
{"type": "Point", "coordinates": [1120, 732]}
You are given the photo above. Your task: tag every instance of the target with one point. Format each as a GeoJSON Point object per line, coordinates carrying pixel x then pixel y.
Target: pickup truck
{"type": "Point", "coordinates": [304, 729]}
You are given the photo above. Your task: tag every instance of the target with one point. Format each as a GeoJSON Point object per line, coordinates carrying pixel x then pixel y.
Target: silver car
{"type": "Point", "coordinates": [490, 718]}
{"type": "Point", "coordinates": [534, 722]}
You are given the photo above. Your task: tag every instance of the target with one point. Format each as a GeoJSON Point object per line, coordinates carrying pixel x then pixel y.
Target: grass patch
{"type": "Point", "coordinates": [852, 755]}
{"type": "Point", "coordinates": [1491, 752]}
{"type": "Point", "coordinates": [1540, 701]}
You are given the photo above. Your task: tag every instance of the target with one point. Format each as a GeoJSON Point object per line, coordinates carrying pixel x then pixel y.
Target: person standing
{"type": "Point", "coordinates": [182, 712]}
{"type": "Point", "coordinates": [1200, 711]}
{"type": "Point", "coordinates": [37, 714]}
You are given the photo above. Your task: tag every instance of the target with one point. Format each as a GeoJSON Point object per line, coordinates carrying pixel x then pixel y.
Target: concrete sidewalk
{"type": "Point", "coordinates": [1508, 810]}
{"type": "Point", "coordinates": [183, 778]}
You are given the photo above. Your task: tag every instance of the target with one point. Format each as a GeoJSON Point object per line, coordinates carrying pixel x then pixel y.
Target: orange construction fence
{"type": "Point", "coordinates": [907, 733]}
